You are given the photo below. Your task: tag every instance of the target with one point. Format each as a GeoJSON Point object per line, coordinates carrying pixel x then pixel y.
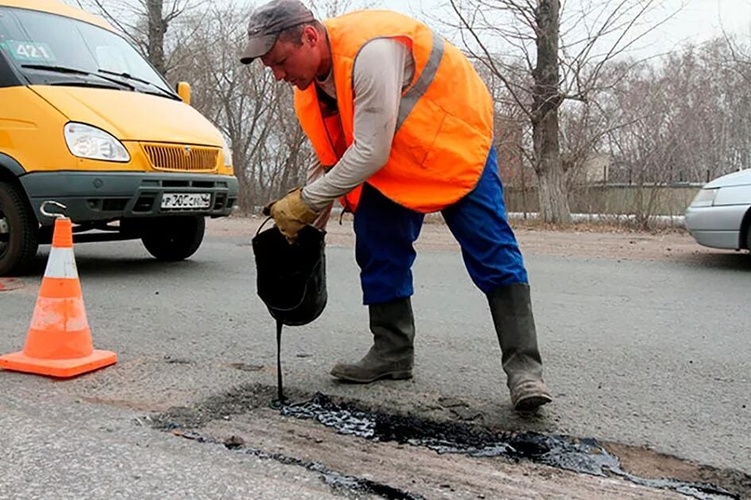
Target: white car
{"type": "Point", "coordinates": [720, 214]}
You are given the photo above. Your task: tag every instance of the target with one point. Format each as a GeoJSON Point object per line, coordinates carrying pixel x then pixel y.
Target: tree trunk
{"type": "Point", "coordinates": [157, 30]}
{"type": "Point", "coordinates": [547, 99]}
{"type": "Point", "coordinates": [551, 180]}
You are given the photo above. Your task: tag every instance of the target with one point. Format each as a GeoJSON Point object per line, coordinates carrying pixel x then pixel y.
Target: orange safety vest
{"type": "Point", "coordinates": [445, 124]}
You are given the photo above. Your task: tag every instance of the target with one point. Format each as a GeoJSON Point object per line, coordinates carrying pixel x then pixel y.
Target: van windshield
{"type": "Point", "coordinates": [56, 50]}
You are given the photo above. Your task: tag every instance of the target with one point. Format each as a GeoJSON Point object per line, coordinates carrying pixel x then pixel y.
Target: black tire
{"type": "Point", "coordinates": [174, 238]}
{"type": "Point", "coordinates": [18, 232]}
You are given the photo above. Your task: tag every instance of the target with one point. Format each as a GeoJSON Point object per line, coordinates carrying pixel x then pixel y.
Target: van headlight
{"type": "Point", "coordinates": [85, 141]}
{"type": "Point", "coordinates": [227, 152]}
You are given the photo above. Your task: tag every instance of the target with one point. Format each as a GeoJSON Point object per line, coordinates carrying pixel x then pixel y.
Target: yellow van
{"type": "Point", "coordinates": [87, 122]}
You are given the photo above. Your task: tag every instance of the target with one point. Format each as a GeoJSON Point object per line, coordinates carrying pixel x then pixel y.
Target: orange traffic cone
{"type": "Point", "coordinates": [59, 339]}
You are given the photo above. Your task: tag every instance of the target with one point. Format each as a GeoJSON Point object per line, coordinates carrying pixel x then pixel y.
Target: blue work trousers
{"type": "Point", "coordinates": [386, 231]}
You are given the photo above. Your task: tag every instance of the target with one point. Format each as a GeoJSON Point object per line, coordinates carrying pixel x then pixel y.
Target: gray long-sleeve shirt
{"type": "Point", "coordinates": [382, 69]}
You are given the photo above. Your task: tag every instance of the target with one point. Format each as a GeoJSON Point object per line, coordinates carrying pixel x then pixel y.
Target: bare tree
{"type": "Point", "coordinates": [703, 105]}
{"type": "Point", "coordinates": [255, 114]}
{"type": "Point", "coordinates": [644, 147]}
{"type": "Point", "coordinates": [734, 60]}
{"type": "Point", "coordinates": [559, 65]}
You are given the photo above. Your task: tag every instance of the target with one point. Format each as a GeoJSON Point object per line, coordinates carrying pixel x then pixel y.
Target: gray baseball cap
{"type": "Point", "coordinates": [267, 21]}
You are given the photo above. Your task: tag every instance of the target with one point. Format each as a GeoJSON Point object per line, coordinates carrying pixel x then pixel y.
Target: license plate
{"type": "Point", "coordinates": [186, 200]}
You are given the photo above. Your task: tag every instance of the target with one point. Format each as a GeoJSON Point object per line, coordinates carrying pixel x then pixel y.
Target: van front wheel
{"type": "Point", "coordinates": [18, 232]}
{"type": "Point", "coordinates": [174, 238]}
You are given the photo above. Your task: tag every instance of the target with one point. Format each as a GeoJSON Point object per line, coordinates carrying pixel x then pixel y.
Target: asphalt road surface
{"type": "Point", "coordinates": [650, 355]}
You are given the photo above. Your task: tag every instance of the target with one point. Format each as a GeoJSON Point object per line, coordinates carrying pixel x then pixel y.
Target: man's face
{"type": "Point", "coordinates": [296, 65]}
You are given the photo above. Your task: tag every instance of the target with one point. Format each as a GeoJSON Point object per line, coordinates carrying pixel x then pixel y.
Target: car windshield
{"type": "Point", "coordinates": [57, 50]}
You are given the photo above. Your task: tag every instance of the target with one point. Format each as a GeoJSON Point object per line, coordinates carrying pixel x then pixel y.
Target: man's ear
{"type": "Point", "coordinates": [310, 36]}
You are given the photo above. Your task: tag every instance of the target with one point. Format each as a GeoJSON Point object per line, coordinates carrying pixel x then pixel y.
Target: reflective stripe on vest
{"type": "Point", "coordinates": [410, 98]}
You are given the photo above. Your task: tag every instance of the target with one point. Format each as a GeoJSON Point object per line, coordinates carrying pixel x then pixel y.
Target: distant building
{"type": "Point", "coordinates": [594, 170]}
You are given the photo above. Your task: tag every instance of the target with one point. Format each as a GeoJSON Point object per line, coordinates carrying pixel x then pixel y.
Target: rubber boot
{"type": "Point", "coordinates": [511, 309]}
{"type": "Point", "coordinates": [392, 354]}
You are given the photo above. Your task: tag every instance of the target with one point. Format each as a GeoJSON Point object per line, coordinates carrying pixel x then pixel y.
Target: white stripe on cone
{"type": "Point", "coordinates": [47, 315]}
{"type": "Point", "coordinates": [61, 264]}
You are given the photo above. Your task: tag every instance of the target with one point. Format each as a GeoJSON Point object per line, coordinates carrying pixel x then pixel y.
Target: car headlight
{"type": "Point", "coordinates": [705, 198]}
{"type": "Point", "coordinates": [85, 141]}
{"type": "Point", "coordinates": [227, 154]}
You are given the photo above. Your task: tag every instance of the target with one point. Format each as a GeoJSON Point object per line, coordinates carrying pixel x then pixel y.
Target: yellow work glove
{"type": "Point", "coordinates": [291, 214]}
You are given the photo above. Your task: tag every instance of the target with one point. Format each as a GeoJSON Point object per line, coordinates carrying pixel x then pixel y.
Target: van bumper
{"type": "Point", "coordinates": [104, 196]}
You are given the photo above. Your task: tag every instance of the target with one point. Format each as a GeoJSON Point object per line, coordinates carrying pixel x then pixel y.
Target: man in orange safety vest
{"type": "Point", "coordinates": [402, 126]}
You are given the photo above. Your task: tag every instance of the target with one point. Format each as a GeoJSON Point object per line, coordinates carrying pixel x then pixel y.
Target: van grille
{"type": "Point", "coordinates": [182, 158]}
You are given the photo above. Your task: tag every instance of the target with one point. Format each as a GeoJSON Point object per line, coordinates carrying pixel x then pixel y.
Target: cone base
{"type": "Point", "coordinates": [61, 368]}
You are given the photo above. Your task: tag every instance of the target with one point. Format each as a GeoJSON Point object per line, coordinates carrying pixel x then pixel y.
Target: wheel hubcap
{"type": "Point", "coordinates": [4, 232]}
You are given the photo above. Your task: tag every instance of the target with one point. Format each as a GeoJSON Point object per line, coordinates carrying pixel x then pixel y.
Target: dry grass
{"type": "Point", "coordinates": [624, 227]}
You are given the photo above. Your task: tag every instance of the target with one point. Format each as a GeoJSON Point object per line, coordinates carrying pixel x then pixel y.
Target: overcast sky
{"type": "Point", "coordinates": [694, 20]}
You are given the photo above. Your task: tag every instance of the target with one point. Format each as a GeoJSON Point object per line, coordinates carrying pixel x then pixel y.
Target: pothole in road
{"type": "Point", "coordinates": [582, 455]}
{"type": "Point", "coordinates": [334, 479]}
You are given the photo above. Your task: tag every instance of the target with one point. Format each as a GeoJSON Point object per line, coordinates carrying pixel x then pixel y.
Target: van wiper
{"type": "Point", "coordinates": [75, 71]}
{"type": "Point", "coordinates": [128, 76]}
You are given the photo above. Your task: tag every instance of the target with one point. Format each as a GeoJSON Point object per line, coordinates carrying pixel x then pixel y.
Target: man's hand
{"type": "Point", "coordinates": [291, 214]}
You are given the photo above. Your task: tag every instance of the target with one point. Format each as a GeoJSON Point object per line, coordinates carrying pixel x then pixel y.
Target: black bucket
{"type": "Point", "coordinates": [291, 279]}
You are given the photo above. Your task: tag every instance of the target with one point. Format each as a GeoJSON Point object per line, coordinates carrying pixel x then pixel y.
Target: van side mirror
{"type": "Point", "coordinates": [183, 90]}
